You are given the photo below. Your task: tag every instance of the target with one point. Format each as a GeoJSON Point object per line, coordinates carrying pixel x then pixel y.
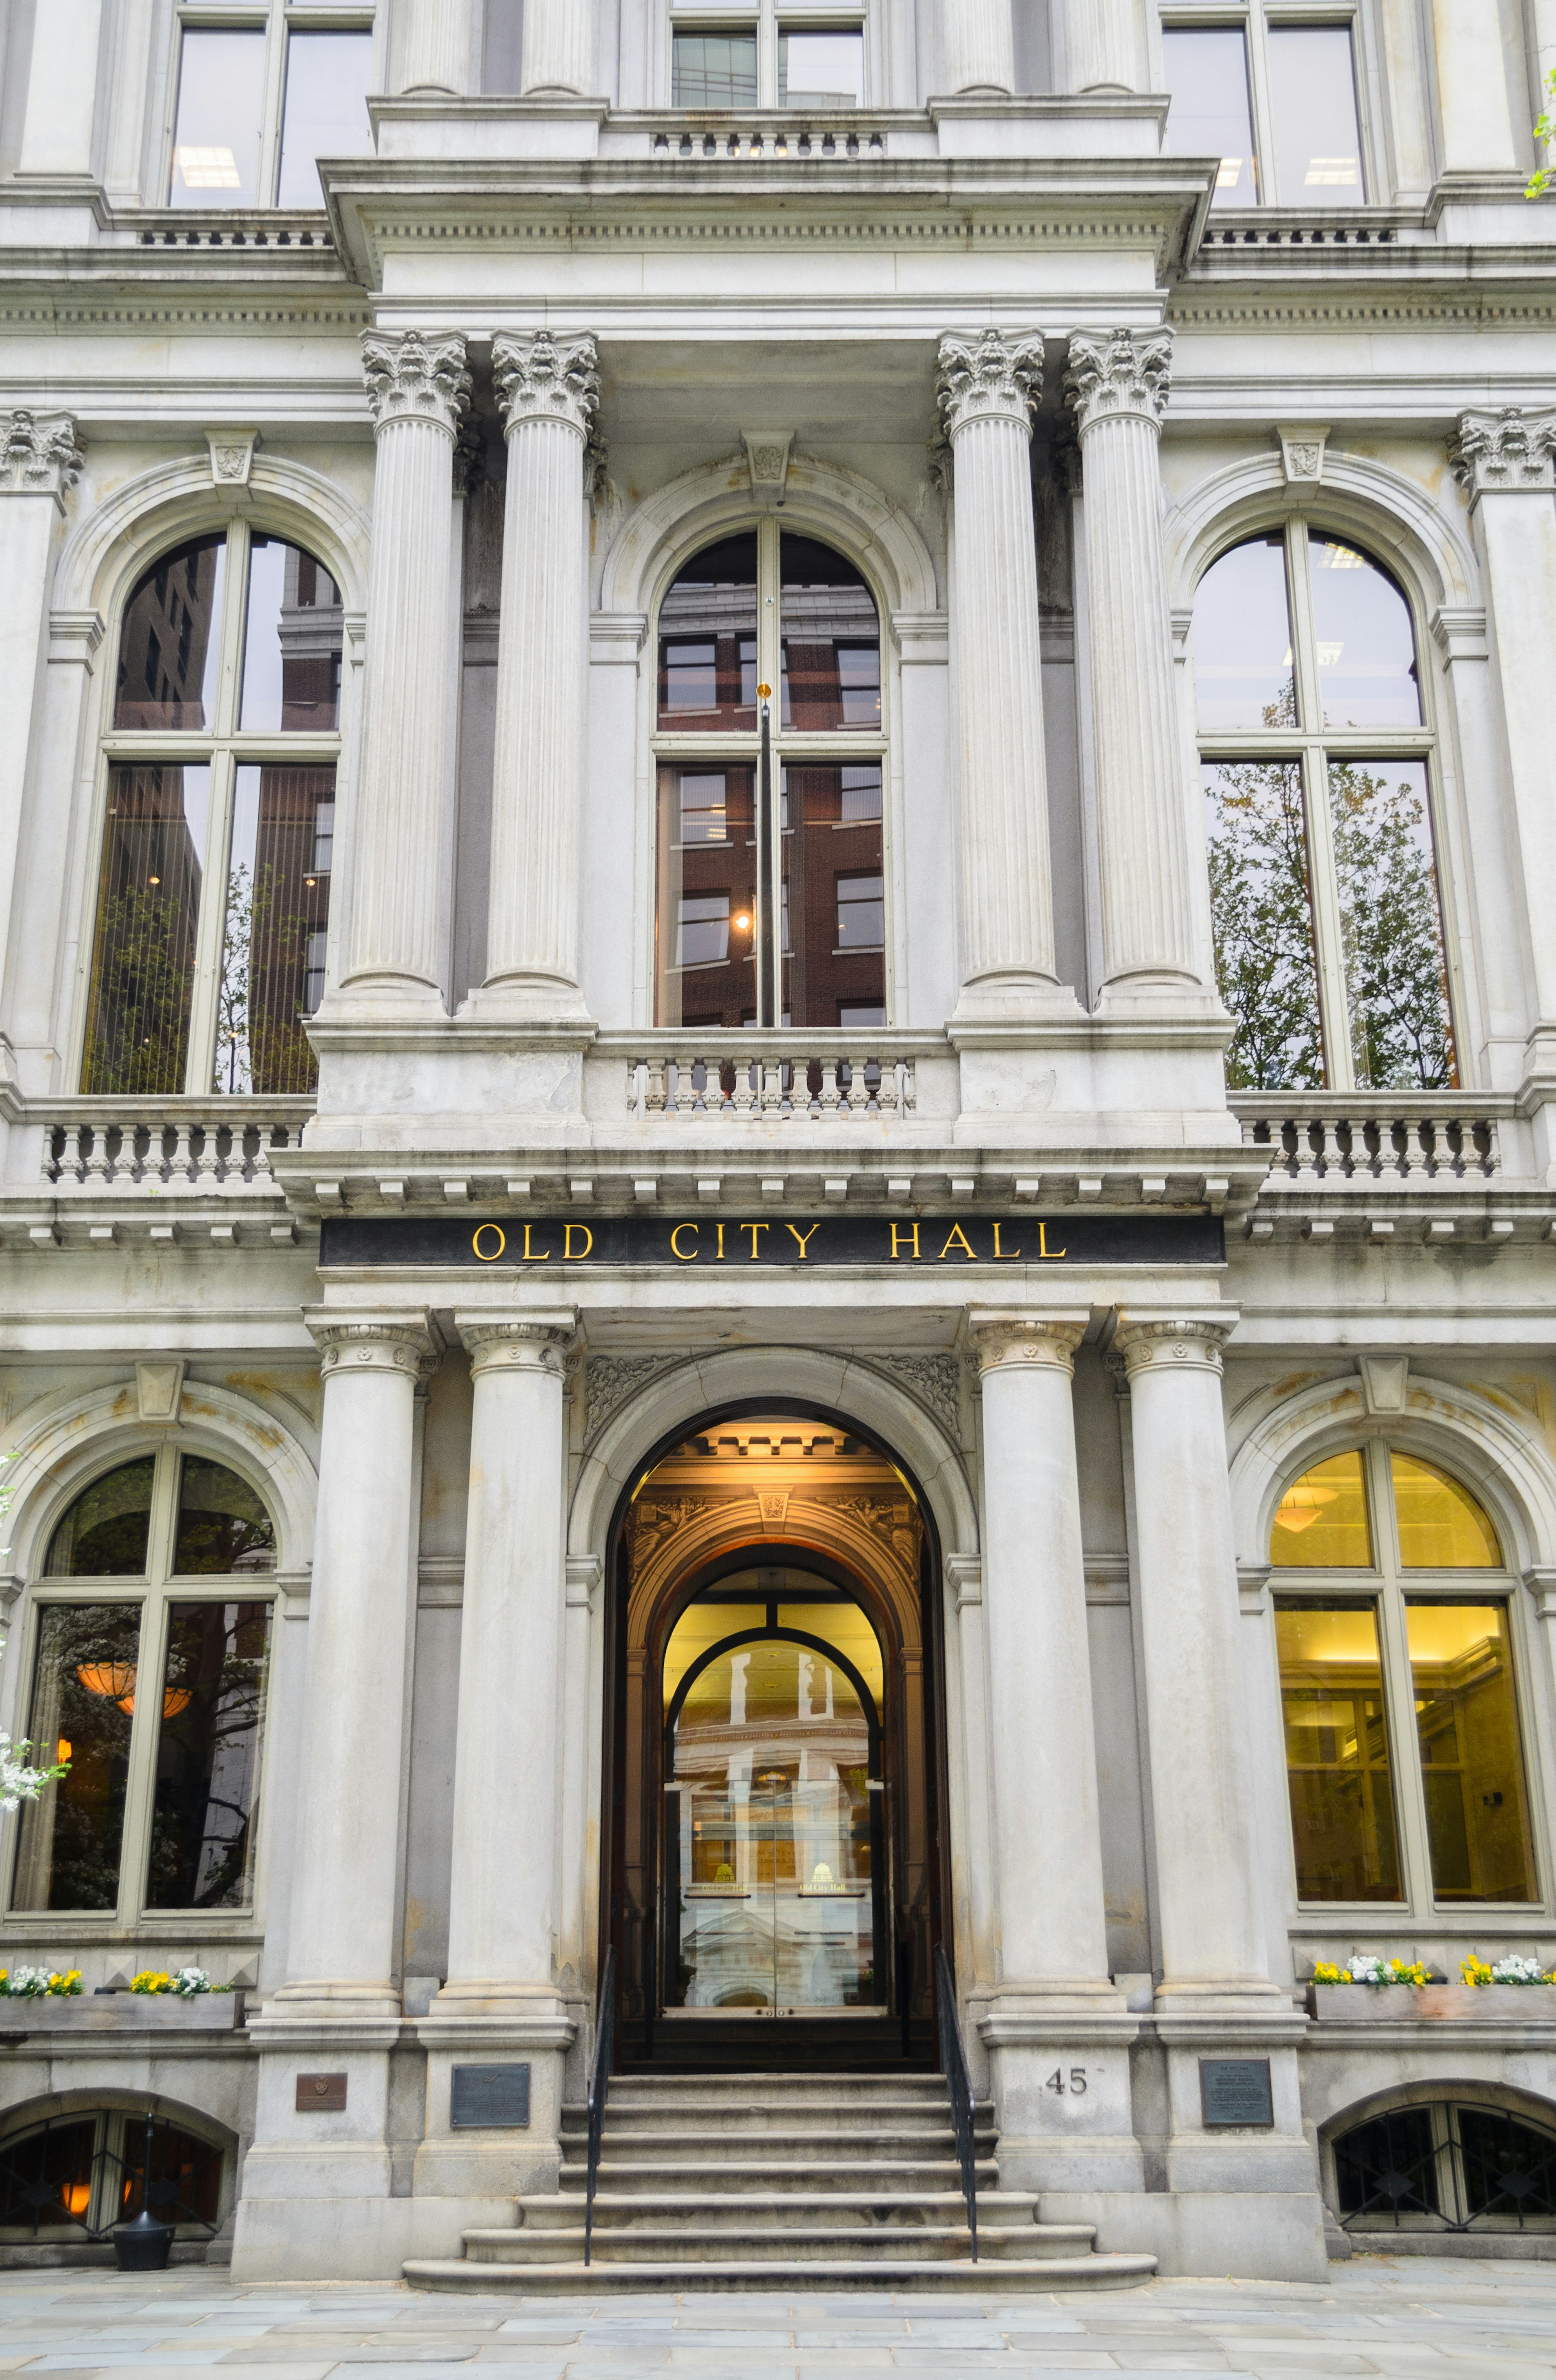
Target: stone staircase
{"type": "Point", "coordinates": [769, 2182]}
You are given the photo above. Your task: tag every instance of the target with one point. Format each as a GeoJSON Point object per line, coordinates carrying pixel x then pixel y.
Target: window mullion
{"type": "Point", "coordinates": [1263, 114]}
{"type": "Point", "coordinates": [229, 682]}
{"type": "Point", "coordinates": [274, 102]}
{"type": "Point", "coordinates": [766, 68]}
{"type": "Point", "coordinates": [1328, 940]}
{"type": "Point", "coordinates": [135, 1844]}
{"type": "Point", "coordinates": [1410, 1799]}
{"type": "Point", "coordinates": [210, 932]}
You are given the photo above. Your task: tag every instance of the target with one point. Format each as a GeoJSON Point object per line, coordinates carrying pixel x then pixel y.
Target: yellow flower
{"type": "Point", "coordinates": [1476, 1971]}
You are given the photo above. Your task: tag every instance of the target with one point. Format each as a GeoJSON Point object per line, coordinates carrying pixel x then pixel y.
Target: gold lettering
{"type": "Point", "coordinates": [502, 1242]}
{"type": "Point", "coordinates": [899, 1233]}
{"type": "Point", "coordinates": [1043, 1249]}
{"type": "Point", "coordinates": [576, 1256]}
{"type": "Point", "coordinates": [721, 1243]}
{"type": "Point", "coordinates": [804, 1239]}
{"type": "Point", "coordinates": [958, 1239]}
{"type": "Point", "coordinates": [754, 1229]}
{"type": "Point", "coordinates": [999, 1251]}
{"type": "Point", "coordinates": [534, 1255]}
{"type": "Point", "coordinates": [687, 1256]}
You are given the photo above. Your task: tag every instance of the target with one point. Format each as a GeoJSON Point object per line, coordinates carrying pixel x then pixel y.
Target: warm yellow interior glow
{"type": "Point", "coordinates": [1320, 1522]}
{"type": "Point", "coordinates": [1309, 1638]}
{"type": "Point", "coordinates": [1441, 1526]}
{"type": "Point", "coordinates": [707, 1622]}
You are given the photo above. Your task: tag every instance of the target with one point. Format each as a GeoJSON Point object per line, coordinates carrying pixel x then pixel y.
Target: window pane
{"type": "Point", "coordinates": [222, 1523]}
{"type": "Point", "coordinates": [1396, 978]}
{"type": "Point", "coordinates": [1337, 1752]}
{"type": "Point", "coordinates": [1472, 1763]}
{"type": "Point", "coordinates": [45, 2176]}
{"type": "Point", "coordinates": [1208, 77]}
{"type": "Point", "coordinates": [217, 145]}
{"type": "Point", "coordinates": [1389, 2167]}
{"type": "Point", "coordinates": [820, 69]}
{"type": "Point", "coordinates": [103, 1534]}
{"type": "Point", "coordinates": [832, 640]}
{"type": "Point", "coordinates": [83, 1697]}
{"type": "Point", "coordinates": [171, 641]}
{"type": "Point", "coordinates": [1366, 645]}
{"type": "Point", "coordinates": [834, 887]}
{"type": "Point", "coordinates": [292, 643]}
{"type": "Point", "coordinates": [1509, 2167]}
{"type": "Point", "coordinates": [714, 70]}
{"type": "Point", "coordinates": [1441, 1526]}
{"type": "Point", "coordinates": [208, 1755]}
{"type": "Point", "coordinates": [1313, 95]}
{"type": "Point", "coordinates": [705, 897]}
{"type": "Point", "coordinates": [326, 112]}
{"type": "Point", "coordinates": [1261, 914]}
{"type": "Point", "coordinates": [708, 642]}
{"type": "Point", "coordinates": [277, 920]}
{"type": "Point", "coordinates": [1320, 1522]}
{"type": "Point", "coordinates": [148, 907]}
{"type": "Point", "coordinates": [1242, 674]}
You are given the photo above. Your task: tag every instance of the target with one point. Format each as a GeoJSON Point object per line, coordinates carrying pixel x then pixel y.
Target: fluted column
{"type": "Point", "coordinates": [549, 389]}
{"type": "Point", "coordinates": [558, 45]}
{"type": "Point", "coordinates": [1117, 386]}
{"type": "Point", "coordinates": [433, 45]}
{"type": "Point", "coordinates": [1477, 131]}
{"type": "Point", "coordinates": [986, 388]}
{"type": "Point", "coordinates": [1103, 49]}
{"type": "Point", "coordinates": [1202, 1799]}
{"type": "Point", "coordinates": [418, 390]}
{"type": "Point", "coordinates": [60, 87]}
{"type": "Point", "coordinates": [976, 46]}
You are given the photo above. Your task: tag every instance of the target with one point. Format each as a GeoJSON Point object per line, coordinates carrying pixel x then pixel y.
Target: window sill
{"type": "Point", "coordinates": [1438, 2003]}
{"type": "Point", "coordinates": [126, 2012]}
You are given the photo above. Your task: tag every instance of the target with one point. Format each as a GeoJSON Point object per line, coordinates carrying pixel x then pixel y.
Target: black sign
{"type": "Point", "coordinates": [1235, 2092]}
{"type": "Point", "coordinates": [321, 2095]}
{"type": "Point", "coordinates": [549, 1246]}
{"type": "Point", "coordinates": [488, 2098]}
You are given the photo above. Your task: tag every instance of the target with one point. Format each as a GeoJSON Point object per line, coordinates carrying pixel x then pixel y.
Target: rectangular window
{"type": "Point", "coordinates": [220, 104]}
{"type": "Point", "coordinates": [1472, 1765]}
{"type": "Point", "coordinates": [210, 1732]}
{"type": "Point", "coordinates": [820, 70]}
{"type": "Point", "coordinates": [1207, 70]}
{"type": "Point", "coordinates": [277, 904]}
{"type": "Point", "coordinates": [1391, 925]}
{"type": "Point", "coordinates": [858, 676]}
{"type": "Point", "coordinates": [690, 677]}
{"type": "Point", "coordinates": [860, 796]}
{"type": "Point", "coordinates": [1262, 916]}
{"type": "Point", "coordinates": [1337, 1752]}
{"type": "Point", "coordinates": [83, 1703]}
{"type": "Point", "coordinates": [851, 1016]}
{"type": "Point", "coordinates": [702, 936]}
{"type": "Point", "coordinates": [704, 904]}
{"type": "Point", "coordinates": [327, 112]}
{"type": "Point", "coordinates": [861, 912]}
{"type": "Point", "coordinates": [1313, 97]}
{"type": "Point", "coordinates": [142, 977]}
{"type": "Point", "coordinates": [714, 70]}
{"type": "Point", "coordinates": [704, 806]}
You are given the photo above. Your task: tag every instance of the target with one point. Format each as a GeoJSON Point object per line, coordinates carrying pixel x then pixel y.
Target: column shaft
{"type": "Point", "coordinates": [60, 87]}
{"type": "Point", "coordinates": [977, 45]}
{"type": "Point", "coordinates": [433, 45]}
{"type": "Point", "coordinates": [985, 392]}
{"type": "Point", "coordinates": [558, 45]}
{"type": "Point", "coordinates": [1477, 134]}
{"type": "Point", "coordinates": [1102, 46]}
{"type": "Point", "coordinates": [1118, 387]}
{"type": "Point", "coordinates": [418, 389]}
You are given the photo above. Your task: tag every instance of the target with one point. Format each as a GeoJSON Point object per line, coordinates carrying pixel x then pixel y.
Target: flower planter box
{"type": "Point", "coordinates": [1403, 2003]}
{"type": "Point", "coordinates": [124, 2013]}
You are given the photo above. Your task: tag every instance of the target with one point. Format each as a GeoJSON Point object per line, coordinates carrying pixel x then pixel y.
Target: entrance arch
{"type": "Point", "coordinates": [773, 1854]}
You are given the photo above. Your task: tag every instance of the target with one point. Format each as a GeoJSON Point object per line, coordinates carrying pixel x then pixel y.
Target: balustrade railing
{"type": "Point", "coordinates": [1325, 1136]}
{"type": "Point", "coordinates": [195, 1145]}
{"type": "Point", "coordinates": [770, 1085]}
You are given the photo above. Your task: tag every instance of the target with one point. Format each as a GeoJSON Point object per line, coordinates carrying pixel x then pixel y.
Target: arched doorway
{"type": "Point", "coordinates": [774, 1862]}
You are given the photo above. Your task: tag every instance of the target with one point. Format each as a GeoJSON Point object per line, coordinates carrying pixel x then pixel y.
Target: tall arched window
{"type": "Point", "coordinates": [158, 1571]}
{"type": "Point", "coordinates": [214, 886]}
{"type": "Point", "coordinates": [769, 608]}
{"type": "Point", "coordinates": [1317, 765]}
{"type": "Point", "coordinates": [1397, 1636]}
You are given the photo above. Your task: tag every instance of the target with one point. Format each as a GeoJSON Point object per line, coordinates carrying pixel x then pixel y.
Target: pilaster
{"type": "Point", "coordinates": [433, 46]}
{"type": "Point", "coordinates": [1475, 122]}
{"type": "Point", "coordinates": [62, 89]}
{"type": "Point", "coordinates": [976, 46]}
{"type": "Point", "coordinates": [1103, 45]}
{"type": "Point", "coordinates": [558, 46]}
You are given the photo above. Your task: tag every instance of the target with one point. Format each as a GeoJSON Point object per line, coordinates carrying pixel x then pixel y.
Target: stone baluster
{"type": "Point", "coordinates": [976, 46]}
{"type": "Point", "coordinates": [986, 388]}
{"type": "Point", "coordinates": [1477, 132]}
{"type": "Point", "coordinates": [57, 135]}
{"type": "Point", "coordinates": [418, 391]}
{"type": "Point", "coordinates": [558, 46]}
{"type": "Point", "coordinates": [1103, 45]}
{"type": "Point", "coordinates": [549, 390]}
{"type": "Point", "coordinates": [1117, 385]}
{"type": "Point", "coordinates": [433, 45]}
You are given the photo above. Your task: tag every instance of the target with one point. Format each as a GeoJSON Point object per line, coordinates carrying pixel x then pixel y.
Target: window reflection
{"type": "Point", "coordinates": [820, 70]}
{"type": "Point", "coordinates": [1321, 1521]}
{"type": "Point", "coordinates": [327, 112]}
{"type": "Point", "coordinates": [1337, 1752]}
{"type": "Point", "coordinates": [143, 956]}
{"type": "Point", "coordinates": [208, 1755]}
{"type": "Point", "coordinates": [220, 99]}
{"type": "Point", "coordinates": [292, 642]}
{"type": "Point", "coordinates": [1390, 923]}
{"type": "Point", "coordinates": [170, 644]}
{"type": "Point", "coordinates": [103, 1535]}
{"type": "Point", "coordinates": [1262, 916]}
{"type": "Point", "coordinates": [832, 640]}
{"type": "Point", "coordinates": [1441, 1526]}
{"type": "Point", "coordinates": [1313, 95]}
{"type": "Point", "coordinates": [1472, 1765]}
{"type": "Point", "coordinates": [275, 927]}
{"type": "Point", "coordinates": [714, 70]}
{"type": "Point", "coordinates": [1366, 641]}
{"type": "Point", "coordinates": [222, 1526]}
{"type": "Point", "coordinates": [83, 1702]}
{"type": "Point", "coordinates": [705, 905]}
{"type": "Point", "coordinates": [1211, 116]}
{"type": "Point", "coordinates": [1242, 663]}
{"type": "Point", "coordinates": [834, 895]}
{"type": "Point", "coordinates": [708, 642]}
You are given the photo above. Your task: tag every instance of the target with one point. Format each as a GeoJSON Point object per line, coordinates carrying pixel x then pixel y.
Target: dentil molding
{"type": "Point", "coordinates": [995, 376]}
{"type": "Point", "coordinates": [1508, 452]}
{"type": "Point", "coordinates": [40, 454]}
{"type": "Point", "coordinates": [413, 378]}
{"type": "Point", "coordinates": [545, 379]}
{"type": "Point", "coordinates": [1117, 372]}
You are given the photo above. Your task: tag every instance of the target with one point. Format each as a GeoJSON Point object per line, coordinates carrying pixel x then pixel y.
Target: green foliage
{"type": "Point", "coordinates": [1391, 932]}
{"type": "Point", "coordinates": [1545, 132]}
{"type": "Point", "coordinates": [1263, 928]}
{"type": "Point", "coordinates": [138, 1034]}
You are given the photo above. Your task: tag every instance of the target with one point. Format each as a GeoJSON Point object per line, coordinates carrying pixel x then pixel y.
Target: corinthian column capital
{"type": "Point", "coordinates": [1177, 1345]}
{"type": "Point", "coordinates": [1507, 451]}
{"type": "Point", "coordinates": [504, 1346]}
{"type": "Point", "coordinates": [993, 377]}
{"type": "Point", "coordinates": [545, 379]}
{"type": "Point", "coordinates": [1118, 373]}
{"type": "Point", "coordinates": [413, 377]}
{"type": "Point", "coordinates": [1015, 1342]}
{"type": "Point", "coordinates": [40, 454]}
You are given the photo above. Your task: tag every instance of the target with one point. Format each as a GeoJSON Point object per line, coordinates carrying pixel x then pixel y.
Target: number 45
{"type": "Point", "coordinates": [1077, 2082]}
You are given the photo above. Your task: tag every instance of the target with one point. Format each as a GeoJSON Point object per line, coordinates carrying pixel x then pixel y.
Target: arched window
{"type": "Point", "coordinates": [768, 608]}
{"type": "Point", "coordinates": [1316, 768]}
{"type": "Point", "coordinates": [214, 886]}
{"type": "Point", "coordinates": [74, 2175]}
{"type": "Point", "coordinates": [1448, 2166]}
{"type": "Point", "coordinates": [1397, 1639]}
{"type": "Point", "coordinates": [158, 1809]}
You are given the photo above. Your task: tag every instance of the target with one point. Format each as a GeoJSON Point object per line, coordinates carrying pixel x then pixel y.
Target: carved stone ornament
{"type": "Point", "coordinates": [614, 1379]}
{"type": "Point", "coordinates": [1118, 373]}
{"type": "Point", "coordinates": [415, 377]}
{"type": "Point", "coordinates": [1003, 1345]}
{"type": "Point", "coordinates": [469, 456]}
{"type": "Point", "coordinates": [995, 376]}
{"type": "Point", "coordinates": [232, 457]}
{"type": "Point", "coordinates": [516, 1346]}
{"type": "Point", "coordinates": [1509, 452]}
{"type": "Point", "coordinates": [545, 379]}
{"type": "Point", "coordinates": [767, 460]}
{"type": "Point", "coordinates": [1302, 456]}
{"type": "Point", "coordinates": [408, 1347]}
{"type": "Point", "coordinates": [40, 454]}
{"type": "Point", "coordinates": [1171, 1346]}
{"type": "Point", "coordinates": [935, 1381]}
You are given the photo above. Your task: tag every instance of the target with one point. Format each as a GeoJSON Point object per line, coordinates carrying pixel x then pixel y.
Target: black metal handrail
{"type": "Point", "coordinates": [954, 2066]}
{"type": "Point", "coordinates": [598, 2085]}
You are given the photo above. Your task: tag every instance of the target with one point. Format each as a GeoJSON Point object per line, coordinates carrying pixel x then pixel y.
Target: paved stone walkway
{"type": "Point", "coordinates": [1414, 2318]}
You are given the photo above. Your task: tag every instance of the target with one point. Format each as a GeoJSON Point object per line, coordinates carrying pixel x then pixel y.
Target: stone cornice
{"type": "Point", "coordinates": [40, 454]}
{"type": "Point", "coordinates": [416, 377]}
{"type": "Point", "coordinates": [545, 379]}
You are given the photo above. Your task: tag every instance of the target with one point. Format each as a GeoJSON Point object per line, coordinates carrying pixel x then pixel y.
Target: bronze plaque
{"type": "Point", "coordinates": [1235, 2094]}
{"type": "Point", "coordinates": [321, 2095]}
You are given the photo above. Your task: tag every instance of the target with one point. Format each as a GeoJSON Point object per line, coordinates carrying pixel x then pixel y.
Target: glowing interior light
{"type": "Point", "coordinates": [1330, 171]}
{"type": "Point", "coordinates": [208, 169]}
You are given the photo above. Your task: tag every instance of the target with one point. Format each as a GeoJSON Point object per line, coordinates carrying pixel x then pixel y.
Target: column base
{"type": "Point", "coordinates": [523, 1000]}
{"type": "Point", "coordinates": [1059, 2073]}
{"type": "Point", "coordinates": [494, 2024]}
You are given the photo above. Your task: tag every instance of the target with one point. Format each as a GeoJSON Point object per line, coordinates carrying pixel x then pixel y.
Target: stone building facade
{"type": "Point", "coordinates": [778, 1045]}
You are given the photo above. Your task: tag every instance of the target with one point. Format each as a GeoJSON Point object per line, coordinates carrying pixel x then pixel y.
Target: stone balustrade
{"type": "Point", "coordinates": [178, 1144]}
{"type": "Point", "coordinates": [1315, 1136]}
{"type": "Point", "coordinates": [701, 1076]}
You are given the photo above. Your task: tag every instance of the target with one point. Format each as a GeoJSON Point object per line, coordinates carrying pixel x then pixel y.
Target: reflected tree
{"type": "Point", "coordinates": [1401, 1034]}
{"type": "Point", "coordinates": [1262, 916]}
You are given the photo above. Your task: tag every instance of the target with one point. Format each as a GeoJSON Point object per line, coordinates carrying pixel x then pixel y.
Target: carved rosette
{"type": "Point", "coordinates": [995, 376]}
{"type": "Point", "coordinates": [1118, 373]}
{"type": "Point", "coordinates": [545, 379]}
{"type": "Point", "coordinates": [407, 1346]}
{"type": "Point", "coordinates": [1017, 1345]}
{"type": "Point", "coordinates": [414, 377]}
{"type": "Point", "coordinates": [516, 1347]}
{"type": "Point", "coordinates": [1505, 453]}
{"type": "Point", "coordinates": [1176, 1347]}
{"type": "Point", "coordinates": [40, 454]}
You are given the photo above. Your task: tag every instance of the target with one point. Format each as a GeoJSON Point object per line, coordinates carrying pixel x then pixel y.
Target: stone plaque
{"type": "Point", "coordinates": [321, 2095]}
{"type": "Point", "coordinates": [1235, 2092]}
{"type": "Point", "coordinates": [488, 2098]}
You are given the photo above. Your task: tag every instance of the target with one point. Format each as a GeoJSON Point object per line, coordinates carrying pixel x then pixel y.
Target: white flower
{"type": "Point", "coordinates": [19, 1783]}
{"type": "Point", "coordinates": [1518, 1971]}
{"type": "Point", "coordinates": [189, 1980]}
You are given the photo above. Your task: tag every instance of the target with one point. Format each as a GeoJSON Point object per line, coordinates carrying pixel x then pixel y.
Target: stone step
{"type": "Point", "coordinates": [819, 2141]}
{"type": "Point", "coordinates": [932, 2276]}
{"type": "Point", "coordinates": [997, 2210]}
{"type": "Point", "coordinates": [862, 2175]}
{"type": "Point", "coordinates": [759, 2115]}
{"type": "Point", "coordinates": [704, 2085]}
{"type": "Point", "coordinates": [859, 2242]}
